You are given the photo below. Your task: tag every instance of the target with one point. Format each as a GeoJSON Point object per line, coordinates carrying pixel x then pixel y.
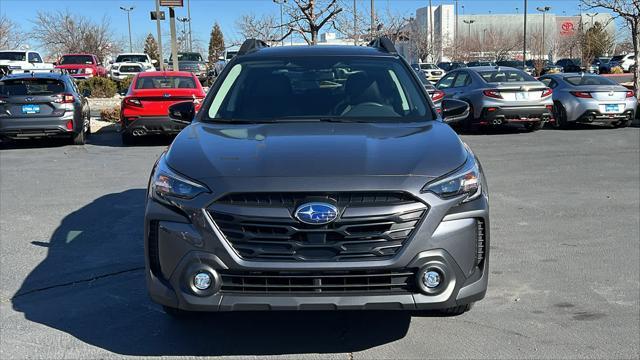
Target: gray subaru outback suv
{"type": "Point", "coordinates": [317, 178]}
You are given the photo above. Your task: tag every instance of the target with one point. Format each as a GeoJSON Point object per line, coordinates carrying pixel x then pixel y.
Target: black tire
{"type": "Point", "coordinates": [561, 116]}
{"type": "Point", "coordinates": [175, 313]}
{"type": "Point", "coordinates": [79, 138]}
{"type": "Point", "coordinates": [456, 310]}
{"type": "Point", "coordinates": [533, 126]}
{"type": "Point", "coordinates": [127, 139]}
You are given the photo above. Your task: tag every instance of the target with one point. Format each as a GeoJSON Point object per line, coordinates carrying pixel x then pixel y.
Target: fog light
{"type": "Point", "coordinates": [431, 279]}
{"type": "Point", "coordinates": [202, 281]}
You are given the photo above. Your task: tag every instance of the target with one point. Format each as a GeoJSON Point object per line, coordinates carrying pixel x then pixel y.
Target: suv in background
{"type": "Point", "coordinates": [191, 62]}
{"type": "Point", "coordinates": [450, 66]}
{"type": "Point", "coordinates": [129, 64]}
{"type": "Point", "coordinates": [81, 66]}
{"type": "Point", "coordinates": [624, 61]}
{"type": "Point", "coordinates": [317, 178]}
{"type": "Point", "coordinates": [43, 105]}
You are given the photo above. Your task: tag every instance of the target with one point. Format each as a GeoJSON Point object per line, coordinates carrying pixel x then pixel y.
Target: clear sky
{"type": "Point", "coordinates": [205, 12]}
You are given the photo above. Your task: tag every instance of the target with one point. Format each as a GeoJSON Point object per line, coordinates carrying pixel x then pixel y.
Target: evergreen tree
{"type": "Point", "coordinates": [151, 48]}
{"type": "Point", "coordinates": [216, 44]}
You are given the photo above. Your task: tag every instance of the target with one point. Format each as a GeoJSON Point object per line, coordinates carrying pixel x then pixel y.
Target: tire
{"type": "Point", "coordinates": [175, 313]}
{"type": "Point", "coordinates": [127, 139]}
{"type": "Point", "coordinates": [561, 116]}
{"type": "Point", "coordinates": [79, 138]}
{"type": "Point", "coordinates": [533, 126]}
{"type": "Point", "coordinates": [467, 124]}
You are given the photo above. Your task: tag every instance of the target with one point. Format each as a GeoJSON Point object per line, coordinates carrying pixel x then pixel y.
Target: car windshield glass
{"type": "Point", "coordinates": [165, 82]}
{"type": "Point", "coordinates": [76, 59]}
{"type": "Point", "coordinates": [617, 58]}
{"type": "Point", "coordinates": [497, 76]}
{"type": "Point", "coordinates": [428, 66]}
{"type": "Point", "coordinates": [13, 55]}
{"type": "Point", "coordinates": [131, 58]}
{"type": "Point", "coordinates": [588, 80]}
{"type": "Point", "coordinates": [189, 57]}
{"type": "Point", "coordinates": [323, 88]}
{"type": "Point", "coordinates": [19, 87]}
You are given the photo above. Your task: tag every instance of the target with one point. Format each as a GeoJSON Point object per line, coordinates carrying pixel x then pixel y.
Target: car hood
{"type": "Point", "coordinates": [318, 149]}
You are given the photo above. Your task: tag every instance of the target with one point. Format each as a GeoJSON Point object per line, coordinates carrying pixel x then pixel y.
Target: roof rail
{"type": "Point", "coordinates": [383, 43]}
{"type": "Point", "coordinates": [251, 45]}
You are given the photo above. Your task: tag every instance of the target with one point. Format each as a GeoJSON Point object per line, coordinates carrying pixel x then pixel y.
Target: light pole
{"type": "Point", "coordinates": [189, 17]}
{"type": "Point", "coordinates": [161, 59]}
{"type": "Point", "coordinates": [128, 10]}
{"type": "Point", "coordinates": [373, 20]}
{"type": "Point", "coordinates": [484, 39]}
{"type": "Point", "coordinates": [468, 22]}
{"type": "Point", "coordinates": [281, 3]}
{"type": "Point", "coordinates": [544, 11]}
{"type": "Point", "coordinates": [355, 23]}
{"type": "Point", "coordinates": [524, 38]}
{"type": "Point", "coordinates": [455, 38]}
{"type": "Point", "coordinates": [591, 16]}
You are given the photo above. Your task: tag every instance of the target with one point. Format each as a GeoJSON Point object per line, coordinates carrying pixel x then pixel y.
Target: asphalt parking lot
{"type": "Point", "coordinates": [565, 275]}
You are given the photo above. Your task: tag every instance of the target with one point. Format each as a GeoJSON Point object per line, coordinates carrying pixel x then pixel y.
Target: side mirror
{"type": "Point", "coordinates": [86, 92]}
{"type": "Point", "coordinates": [454, 110]}
{"type": "Point", "coordinates": [182, 112]}
{"type": "Point", "coordinates": [154, 61]}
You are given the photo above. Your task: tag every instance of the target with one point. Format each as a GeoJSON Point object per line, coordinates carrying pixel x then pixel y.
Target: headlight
{"type": "Point", "coordinates": [88, 70]}
{"type": "Point", "coordinates": [464, 181]}
{"type": "Point", "coordinates": [165, 183]}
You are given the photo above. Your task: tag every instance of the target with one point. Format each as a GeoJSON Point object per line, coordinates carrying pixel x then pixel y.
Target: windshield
{"type": "Point", "coordinates": [617, 58]}
{"type": "Point", "coordinates": [131, 58]}
{"type": "Point", "coordinates": [165, 82]}
{"type": "Point", "coordinates": [588, 80]}
{"type": "Point", "coordinates": [13, 55]}
{"type": "Point", "coordinates": [319, 88]}
{"type": "Point", "coordinates": [498, 76]}
{"type": "Point", "coordinates": [76, 59]}
{"type": "Point", "coordinates": [187, 57]}
{"type": "Point", "coordinates": [428, 66]}
{"type": "Point", "coordinates": [19, 87]}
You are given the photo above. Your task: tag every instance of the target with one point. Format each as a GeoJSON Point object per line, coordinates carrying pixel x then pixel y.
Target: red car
{"type": "Point", "coordinates": [81, 66]}
{"type": "Point", "coordinates": [145, 108]}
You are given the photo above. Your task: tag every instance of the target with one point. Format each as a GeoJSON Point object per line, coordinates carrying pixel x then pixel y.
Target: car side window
{"type": "Point", "coordinates": [546, 81]}
{"type": "Point", "coordinates": [34, 58]}
{"type": "Point", "coordinates": [462, 79]}
{"type": "Point", "coordinates": [446, 81]}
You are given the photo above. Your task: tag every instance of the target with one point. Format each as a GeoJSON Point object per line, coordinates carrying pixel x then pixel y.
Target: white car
{"type": "Point", "coordinates": [431, 71]}
{"type": "Point", "coordinates": [22, 61]}
{"type": "Point", "coordinates": [625, 61]}
{"type": "Point", "coordinates": [129, 64]}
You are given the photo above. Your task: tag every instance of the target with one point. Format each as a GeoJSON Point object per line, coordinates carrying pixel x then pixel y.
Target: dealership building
{"type": "Point", "coordinates": [449, 29]}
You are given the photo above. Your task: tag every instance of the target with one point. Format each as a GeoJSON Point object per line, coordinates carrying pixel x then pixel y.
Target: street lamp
{"type": "Point", "coordinates": [281, 3]}
{"type": "Point", "coordinates": [128, 10]}
{"type": "Point", "coordinates": [185, 36]}
{"type": "Point", "coordinates": [468, 22]}
{"type": "Point", "coordinates": [544, 11]}
{"type": "Point", "coordinates": [591, 16]}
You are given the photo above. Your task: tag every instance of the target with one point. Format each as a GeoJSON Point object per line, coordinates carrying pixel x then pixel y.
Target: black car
{"type": "Point", "coordinates": [451, 65]}
{"type": "Point", "coordinates": [516, 64]}
{"type": "Point", "coordinates": [34, 105]}
{"type": "Point", "coordinates": [317, 178]}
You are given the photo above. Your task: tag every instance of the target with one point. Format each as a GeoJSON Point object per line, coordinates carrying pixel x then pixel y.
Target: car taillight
{"type": "Point", "coordinates": [437, 95]}
{"type": "Point", "coordinates": [492, 94]}
{"type": "Point", "coordinates": [63, 99]}
{"type": "Point", "coordinates": [132, 102]}
{"type": "Point", "coordinates": [581, 94]}
{"type": "Point", "coordinates": [547, 92]}
{"type": "Point", "coordinates": [630, 94]}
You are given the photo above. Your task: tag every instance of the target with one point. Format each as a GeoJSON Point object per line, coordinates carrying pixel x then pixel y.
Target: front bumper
{"type": "Point", "coordinates": [495, 115]}
{"type": "Point", "coordinates": [149, 125]}
{"type": "Point", "coordinates": [180, 243]}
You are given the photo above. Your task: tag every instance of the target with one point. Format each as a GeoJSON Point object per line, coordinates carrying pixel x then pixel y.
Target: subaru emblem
{"type": "Point", "coordinates": [166, 95]}
{"type": "Point", "coordinates": [316, 213]}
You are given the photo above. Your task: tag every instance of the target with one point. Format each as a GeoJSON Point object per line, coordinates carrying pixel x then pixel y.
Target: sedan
{"type": "Point", "coordinates": [588, 98]}
{"type": "Point", "coordinates": [499, 96]}
{"type": "Point", "coordinates": [435, 94]}
{"type": "Point", "coordinates": [431, 71]}
{"type": "Point", "coordinates": [145, 108]}
{"type": "Point", "coordinates": [37, 105]}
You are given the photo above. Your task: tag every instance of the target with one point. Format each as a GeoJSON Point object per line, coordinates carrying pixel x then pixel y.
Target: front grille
{"type": "Point", "coordinates": [314, 283]}
{"type": "Point", "coordinates": [371, 226]}
{"type": "Point", "coordinates": [130, 69]}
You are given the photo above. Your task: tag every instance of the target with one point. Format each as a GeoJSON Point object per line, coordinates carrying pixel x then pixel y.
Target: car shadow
{"type": "Point", "coordinates": [91, 285]}
{"type": "Point", "coordinates": [8, 144]}
{"type": "Point", "coordinates": [113, 139]}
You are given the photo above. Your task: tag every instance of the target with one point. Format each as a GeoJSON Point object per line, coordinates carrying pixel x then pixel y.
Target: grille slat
{"type": "Point", "coordinates": [314, 283]}
{"type": "Point", "coordinates": [377, 230]}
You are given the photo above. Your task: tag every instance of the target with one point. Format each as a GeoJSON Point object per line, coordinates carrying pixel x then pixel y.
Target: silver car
{"type": "Point", "coordinates": [499, 95]}
{"type": "Point", "coordinates": [587, 98]}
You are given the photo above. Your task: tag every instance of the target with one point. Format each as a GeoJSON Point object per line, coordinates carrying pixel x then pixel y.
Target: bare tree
{"type": "Point", "coordinates": [11, 36]}
{"type": "Point", "coordinates": [264, 28]}
{"type": "Point", "coordinates": [629, 11]}
{"type": "Point", "coordinates": [308, 17]}
{"type": "Point", "coordinates": [356, 24]}
{"type": "Point", "coordinates": [62, 32]}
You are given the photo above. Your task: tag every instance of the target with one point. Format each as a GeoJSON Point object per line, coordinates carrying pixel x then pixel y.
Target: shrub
{"type": "Point", "coordinates": [123, 85]}
{"type": "Point", "coordinates": [99, 87]}
{"type": "Point", "coordinates": [110, 115]}
{"type": "Point", "coordinates": [617, 70]}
